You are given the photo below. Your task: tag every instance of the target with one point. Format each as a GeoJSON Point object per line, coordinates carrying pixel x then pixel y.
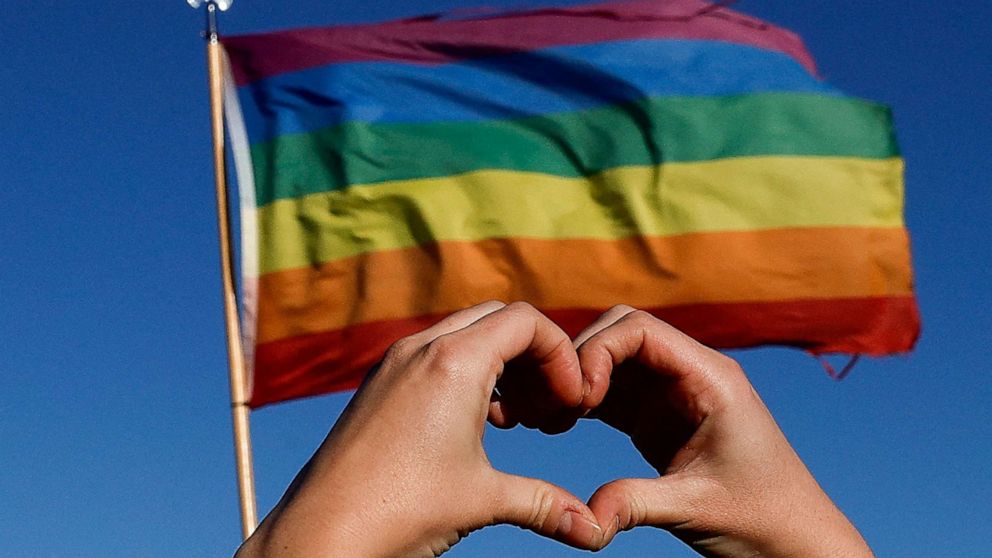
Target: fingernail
{"type": "Point", "coordinates": [580, 528]}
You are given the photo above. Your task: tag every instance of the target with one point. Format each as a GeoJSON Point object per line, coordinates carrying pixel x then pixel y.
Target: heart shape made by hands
{"type": "Point", "coordinates": [692, 415]}
{"type": "Point", "coordinates": [405, 461]}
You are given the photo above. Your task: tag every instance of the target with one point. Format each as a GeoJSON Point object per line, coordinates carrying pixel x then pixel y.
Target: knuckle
{"type": "Point", "coordinates": [401, 350]}
{"type": "Point", "coordinates": [621, 309]}
{"type": "Point", "coordinates": [445, 356]}
{"type": "Point", "coordinates": [541, 508]}
{"type": "Point", "coordinates": [725, 367]}
{"type": "Point", "coordinates": [640, 318]}
{"type": "Point", "coordinates": [636, 510]}
{"type": "Point", "coordinates": [729, 368]}
{"type": "Point", "coordinates": [522, 307]}
{"type": "Point", "coordinates": [727, 363]}
{"type": "Point", "coordinates": [733, 387]}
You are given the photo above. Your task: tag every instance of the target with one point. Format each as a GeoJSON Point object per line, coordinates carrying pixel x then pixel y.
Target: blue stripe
{"type": "Point", "coordinates": [551, 80]}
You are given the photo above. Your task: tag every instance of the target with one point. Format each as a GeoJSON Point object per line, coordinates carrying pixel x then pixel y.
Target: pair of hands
{"type": "Point", "coordinates": [403, 473]}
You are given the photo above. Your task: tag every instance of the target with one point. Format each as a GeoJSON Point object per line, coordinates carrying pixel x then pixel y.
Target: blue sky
{"type": "Point", "coordinates": [114, 425]}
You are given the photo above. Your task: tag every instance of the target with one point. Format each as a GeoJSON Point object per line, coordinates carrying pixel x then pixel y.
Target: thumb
{"type": "Point", "coordinates": [548, 510]}
{"type": "Point", "coordinates": [626, 503]}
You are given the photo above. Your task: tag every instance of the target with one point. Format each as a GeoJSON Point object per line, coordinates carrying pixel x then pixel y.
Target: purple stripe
{"type": "Point", "coordinates": [439, 39]}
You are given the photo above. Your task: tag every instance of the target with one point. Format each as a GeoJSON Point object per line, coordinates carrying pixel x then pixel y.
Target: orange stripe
{"type": "Point", "coordinates": [652, 272]}
{"type": "Point", "coordinates": [338, 360]}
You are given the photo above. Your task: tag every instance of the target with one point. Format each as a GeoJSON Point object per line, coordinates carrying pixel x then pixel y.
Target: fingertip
{"type": "Point", "coordinates": [566, 383]}
{"type": "Point", "coordinates": [579, 530]}
{"type": "Point", "coordinates": [595, 385]}
{"type": "Point", "coordinates": [608, 530]}
{"type": "Point", "coordinates": [499, 417]}
{"type": "Point", "coordinates": [577, 525]}
{"type": "Point", "coordinates": [548, 510]}
{"type": "Point", "coordinates": [605, 503]}
{"type": "Point", "coordinates": [561, 423]}
{"type": "Point", "coordinates": [596, 365]}
{"type": "Point", "coordinates": [615, 505]}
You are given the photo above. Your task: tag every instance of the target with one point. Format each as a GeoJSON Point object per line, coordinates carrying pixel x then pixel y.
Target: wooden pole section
{"type": "Point", "coordinates": [235, 355]}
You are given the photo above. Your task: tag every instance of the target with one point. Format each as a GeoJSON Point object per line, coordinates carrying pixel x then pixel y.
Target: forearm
{"type": "Point", "coordinates": [795, 518]}
{"type": "Point", "coordinates": [819, 530]}
{"type": "Point", "coordinates": [344, 506]}
{"type": "Point", "coordinates": [335, 529]}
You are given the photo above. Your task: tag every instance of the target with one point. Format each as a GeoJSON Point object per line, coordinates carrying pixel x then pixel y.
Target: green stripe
{"type": "Point", "coordinates": [575, 144]}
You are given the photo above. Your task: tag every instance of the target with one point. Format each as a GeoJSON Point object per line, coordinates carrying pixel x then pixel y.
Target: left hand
{"type": "Point", "coordinates": [404, 473]}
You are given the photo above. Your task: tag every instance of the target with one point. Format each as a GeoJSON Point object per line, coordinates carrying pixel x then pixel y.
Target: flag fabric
{"type": "Point", "coordinates": [676, 156]}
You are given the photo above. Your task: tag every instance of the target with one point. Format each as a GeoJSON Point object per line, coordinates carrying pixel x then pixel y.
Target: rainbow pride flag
{"type": "Point", "coordinates": [675, 156]}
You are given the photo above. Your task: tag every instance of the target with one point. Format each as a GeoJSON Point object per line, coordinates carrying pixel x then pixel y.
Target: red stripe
{"type": "Point", "coordinates": [338, 360]}
{"type": "Point", "coordinates": [435, 40]}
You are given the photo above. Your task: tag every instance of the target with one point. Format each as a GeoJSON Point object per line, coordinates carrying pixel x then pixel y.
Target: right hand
{"type": "Point", "coordinates": [730, 484]}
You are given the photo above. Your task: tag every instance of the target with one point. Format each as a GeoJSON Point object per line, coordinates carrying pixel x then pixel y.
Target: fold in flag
{"type": "Point", "coordinates": [675, 156]}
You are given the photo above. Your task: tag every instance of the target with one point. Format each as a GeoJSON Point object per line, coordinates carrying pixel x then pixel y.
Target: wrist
{"type": "Point", "coordinates": [817, 530]}
{"type": "Point", "coordinates": [309, 529]}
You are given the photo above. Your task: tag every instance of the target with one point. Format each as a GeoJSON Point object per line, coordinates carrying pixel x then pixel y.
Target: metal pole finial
{"type": "Point", "coordinates": [222, 5]}
{"type": "Point", "coordinates": [212, 6]}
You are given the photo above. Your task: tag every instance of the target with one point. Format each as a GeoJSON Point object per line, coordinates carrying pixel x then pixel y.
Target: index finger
{"type": "Point", "coordinates": [658, 346]}
{"type": "Point", "coordinates": [518, 330]}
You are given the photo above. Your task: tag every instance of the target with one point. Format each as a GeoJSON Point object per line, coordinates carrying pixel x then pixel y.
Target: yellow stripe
{"type": "Point", "coordinates": [739, 194]}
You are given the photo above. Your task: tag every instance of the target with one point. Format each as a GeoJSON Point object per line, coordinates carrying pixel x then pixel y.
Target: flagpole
{"type": "Point", "coordinates": [236, 367]}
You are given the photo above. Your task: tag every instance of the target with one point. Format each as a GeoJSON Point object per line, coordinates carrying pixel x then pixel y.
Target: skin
{"type": "Point", "coordinates": [729, 482]}
{"type": "Point", "coordinates": [404, 473]}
